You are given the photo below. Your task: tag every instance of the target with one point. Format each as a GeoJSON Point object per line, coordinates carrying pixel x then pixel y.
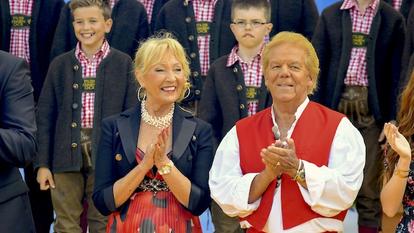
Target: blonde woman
{"type": "Point", "coordinates": [153, 160]}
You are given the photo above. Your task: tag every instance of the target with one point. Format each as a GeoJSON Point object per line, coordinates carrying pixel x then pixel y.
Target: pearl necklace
{"type": "Point", "coordinates": [158, 122]}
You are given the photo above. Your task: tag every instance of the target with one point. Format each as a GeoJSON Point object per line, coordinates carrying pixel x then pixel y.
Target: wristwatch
{"type": "Point", "coordinates": [166, 168]}
{"type": "Point", "coordinates": [300, 174]}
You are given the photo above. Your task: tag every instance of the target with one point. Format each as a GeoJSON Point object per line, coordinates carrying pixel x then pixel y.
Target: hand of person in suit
{"type": "Point", "coordinates": [45, 178]}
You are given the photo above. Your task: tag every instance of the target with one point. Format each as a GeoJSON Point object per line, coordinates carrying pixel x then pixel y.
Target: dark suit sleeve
{"type": "Point", "coordinates": [46, 117]}
{"type": "Point", "coordinates": [62, 41]}
{"type": "Point", "coordinates": [160, 21]}
{"type": "Point", "coordinates": [210, 109]}
{"type": "Point", "coordinates": [310, 16]}
{"type": "Point", "coordinates": [321, 45]}
{"type": "Point", "coordinates": [105, 176]}
{"type": "Point", "coordinates": [397, 52]}
{"type": "Point", "coordinates": [17, 117]}
{"type": "Point", "coordinates": [131, 92]}
{"type": "Point", "coordinates": [408, 59]}
{"type": "Point", "coordinates": [200, 192]}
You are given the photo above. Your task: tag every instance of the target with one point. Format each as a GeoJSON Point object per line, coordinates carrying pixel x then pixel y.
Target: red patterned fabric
{"type": "Point", "coordinates": [89, 70]}
{"type": "Point", "coordinates": [154, 212]}
{"type": "Point", "coordinates": [361, 23]}
{"type": "Point", "coordinates": [252, 73]}
{"type": "Point", "coordinates": [255, 133]}
{"type": "Point", "coordinates": [19, 37]}
{"type": "Point", "coordinates": [204, 11]}
{"type": "Point", "coordinates": [149, 7]}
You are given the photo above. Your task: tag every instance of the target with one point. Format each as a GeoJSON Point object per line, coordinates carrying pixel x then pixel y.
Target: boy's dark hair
{"type": "Point", "coordinates": [101, 4]}
{"type": "Point", "coordinates": [247, 4]}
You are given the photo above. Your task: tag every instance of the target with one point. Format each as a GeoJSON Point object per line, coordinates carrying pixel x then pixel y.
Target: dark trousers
{"type": "Point", "coordinates": [40, 201]}
{"type": "Point", "coordinates": [16, 215]}
{"type": "Point", "coordinates": [222, 222]}
{"type": "Point", "coordinates": [354, 104]}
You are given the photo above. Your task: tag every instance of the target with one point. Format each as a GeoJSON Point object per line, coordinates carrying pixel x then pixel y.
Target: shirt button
{"type": "Point", "coordinates": [75, 86]}
{"type": "Point", "coordinates": [242, 106]}
{"type": "Point", "coordinates": [73, 125]}
{"type": "Point", "coordinates": [239, 87]}
{"type": "Point", "coordinates": [75, 106]}
{"type": "Point", "coordinates": [188, 19]}
{"type": "Point", "coordinates": [74, 145]}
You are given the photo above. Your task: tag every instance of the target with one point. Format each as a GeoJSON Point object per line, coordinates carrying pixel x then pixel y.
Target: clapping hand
{"type": "Point", "coordinates": [160, 154]}
{"type": "Point", "coordinates": [397, 141]}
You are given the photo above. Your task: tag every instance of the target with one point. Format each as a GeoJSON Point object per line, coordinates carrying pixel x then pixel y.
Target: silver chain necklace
{"type": "Point", "coordinates": [158, 122]}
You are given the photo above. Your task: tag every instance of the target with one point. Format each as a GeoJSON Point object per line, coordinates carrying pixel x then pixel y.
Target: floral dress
{"type": "Point", "coordinates": [153, 209]}
{"type": "Point", "coordinates": [407, 222]}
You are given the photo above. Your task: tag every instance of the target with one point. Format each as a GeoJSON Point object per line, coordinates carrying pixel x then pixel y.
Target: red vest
{"type": "Point", "coordinates": [313, 136]}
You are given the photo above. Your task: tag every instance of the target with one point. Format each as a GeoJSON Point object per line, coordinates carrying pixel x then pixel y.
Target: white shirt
{"type": "Point", "coordinates": [331, 189]}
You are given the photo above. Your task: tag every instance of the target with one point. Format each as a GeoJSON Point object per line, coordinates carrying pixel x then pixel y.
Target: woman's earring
{"type": "Point", "coordinates": [142, 96]}
{"type": "Point", "coordinates": [187, 92]}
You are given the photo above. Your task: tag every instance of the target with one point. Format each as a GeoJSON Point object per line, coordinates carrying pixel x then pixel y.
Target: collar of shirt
{"type": "Point", "coordinates": [397, 4]}
{"type": "Point", "coordinates": [211, 1]}
{"type": "Point", "coordinates": [298, 113]}
{"type": "Point", "coordinates": [234, 57]}
{"type": "Point", "coordinates": [349, 4]}
{"type": "Point", "coordinates": [102, 52]}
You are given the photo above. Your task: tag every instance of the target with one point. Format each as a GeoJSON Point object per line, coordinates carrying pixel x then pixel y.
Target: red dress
{"type": "Point", "coordinates": [153, 209]}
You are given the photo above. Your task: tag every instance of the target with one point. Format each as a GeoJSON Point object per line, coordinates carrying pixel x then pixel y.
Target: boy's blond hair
{"type": "Point", "coordinates": [101, 4]}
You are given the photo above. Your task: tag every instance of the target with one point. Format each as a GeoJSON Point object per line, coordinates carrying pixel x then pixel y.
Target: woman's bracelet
{"type": "Point", "coordinates": [401, 173]}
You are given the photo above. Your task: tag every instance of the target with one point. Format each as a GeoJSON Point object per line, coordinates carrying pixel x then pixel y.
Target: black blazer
{"type": "Point", "coordinates": [192, 155]}
{"type": "Point", "coordinates": [17, 130]}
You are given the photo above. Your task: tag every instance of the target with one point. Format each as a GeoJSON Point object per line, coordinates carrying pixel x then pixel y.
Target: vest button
{"type": "Point", "coordinates": [239, 87]}
{"type": "Point", "coordinates": [193, 55]}
{"type": "Point", "coordinates": [188, 19]}
{"type": "Point", "coordinates": [197, 92]}
{"type": "Point", "coordinates": [195, 74]}
{"type": "Point", "coordinates": [75, 86]}
{"type": "Point", "coordinates": [76, 67]}
{"type": "Point", "coordinates": [75, 105]}
{"type": "Point", "coordinates": [235, 70]}
{"type": "Point", "coordinates": [191, 38]}
{"type": "Point", "coordinates": [242, 106]}
{"type": "Point", "coordinates": [73, 125]}
{"type": "Point", "coordinates": [74, 145]}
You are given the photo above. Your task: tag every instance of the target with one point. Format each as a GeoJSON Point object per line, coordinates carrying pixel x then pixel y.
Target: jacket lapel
{"type": "Point", "coordinates": [183, 130]}
{"type": "Point", "coordinates": [128, 127]}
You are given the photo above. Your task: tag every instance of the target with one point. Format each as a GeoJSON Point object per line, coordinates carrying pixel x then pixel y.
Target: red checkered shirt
{"type": "Point", "coordinates": [397, 4]}
{"type": "Point", "coordinates": [89, 70]}
{"type": "Point", "coordinates": [252, 73]}
{"type": "Point", "coordinates": [149, 6]}
{"type": "Point", "coordinates": [19, 37]}
{"type": "Point", "coordinates": [204, 11]}
{"type": "Point", "coordinates": [361, 23]}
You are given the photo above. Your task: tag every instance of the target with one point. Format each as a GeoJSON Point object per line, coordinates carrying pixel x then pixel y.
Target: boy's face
{"type": "Point", "coordinates": [250, 27]}
{"type": "Point", "coordinates": [90, 28]}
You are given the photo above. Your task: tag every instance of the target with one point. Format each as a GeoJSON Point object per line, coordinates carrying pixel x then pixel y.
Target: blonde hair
{"type": "Point", "coordinates": [153, 50]}
{"type": "Point", "coordinates": [101, 4]}
{"type": "Point", "coordinates": [311, 59]}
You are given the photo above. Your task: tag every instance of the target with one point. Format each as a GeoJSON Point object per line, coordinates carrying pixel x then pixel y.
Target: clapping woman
{"type": "Point", "coordinates": [153, 160]}
{"type": "Point", "coordinates": [398, 188]}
